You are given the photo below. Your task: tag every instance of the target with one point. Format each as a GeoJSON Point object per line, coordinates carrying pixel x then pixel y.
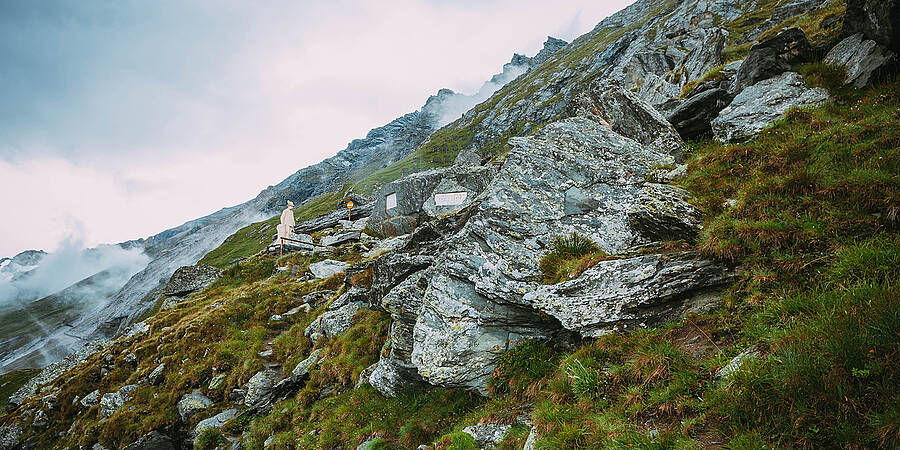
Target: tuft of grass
{"type": "Point", "coordinates": [569, 257]}
{"type": "Point", "coordinates": [210, 439]}
{"type": "Point", "coordinates": [519, 368]}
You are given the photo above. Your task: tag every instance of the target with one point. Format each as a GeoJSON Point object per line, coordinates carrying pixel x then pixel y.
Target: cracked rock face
{"type": "Point", "coordinates": [574, 175]}
{"type": "Point", "coordinates": [635, 290]}
{"type": "Point", "coordinates": [862, 58]}
{"type": "Point", "coordinates": [757, 106]}
{"type": "Point", "coordinates": [191, 278]}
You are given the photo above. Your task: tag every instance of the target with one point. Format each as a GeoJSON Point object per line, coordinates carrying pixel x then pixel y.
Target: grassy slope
{"type": "Point", "coordinates": [255, 237]}
{"type": "Point", "coordinates": [12, 381]}
{"type": "Point", "coordinates": [815, 227]}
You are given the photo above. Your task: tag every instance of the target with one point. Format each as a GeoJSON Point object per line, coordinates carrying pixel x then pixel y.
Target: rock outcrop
{"type": "Point", "coordinates": [864, 60]}
{"type": "Point", "coordinates": [774, 56]}
{"type": "Point", "coordinates": [189, 279]}
{"type": "Point", "coordinates": [693, 117]}
{"type": "Point", "coordinates": [757, 106]}
{"type": "Point", "coordinates": [111, 402]}
{"type": "Point", "coordinates": [629, 292]}
{"type": "Point", "coordinates": [877, 20]}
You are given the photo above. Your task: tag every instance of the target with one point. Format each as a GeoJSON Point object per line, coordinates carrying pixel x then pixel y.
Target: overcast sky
{"type": "Point", "coordinates": [120, 118]}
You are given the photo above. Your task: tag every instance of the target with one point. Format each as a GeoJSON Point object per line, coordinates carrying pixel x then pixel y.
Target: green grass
{"type": "Point", "coordinates": [569, 256]}
{"type": "Point", "coordinates": [253, 238]}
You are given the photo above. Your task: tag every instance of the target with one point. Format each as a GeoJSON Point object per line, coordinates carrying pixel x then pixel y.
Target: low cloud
{"type": "Point", "coordinates": [69, 264]}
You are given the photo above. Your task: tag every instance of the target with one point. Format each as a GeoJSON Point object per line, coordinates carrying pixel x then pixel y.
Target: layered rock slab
{"type": "Point", "coordinates": [574, 175]}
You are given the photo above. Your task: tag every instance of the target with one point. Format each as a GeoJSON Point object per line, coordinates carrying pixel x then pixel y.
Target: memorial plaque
{"type": "Point", "coordinates": [450, 198]}
{"type": "Point", "coordinates": [390, 201]}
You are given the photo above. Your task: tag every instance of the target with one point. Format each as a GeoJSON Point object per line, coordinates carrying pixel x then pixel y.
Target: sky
{"type": "Point", "coordinates": [120, 119]}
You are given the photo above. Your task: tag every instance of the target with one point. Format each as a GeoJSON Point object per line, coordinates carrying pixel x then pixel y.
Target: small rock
{"type": "Point", "coordinates": [333, 323]}
{"type": "Point", "coordinates": [266, 353]}
{"type": "Point", "coordinates": [153, 440]}
{"type": "Point", "coordinates": [91, 399]}
{"type": "Point", "coordinates": [191, 404]}
{"type": "Point", "coordinates": [10, 437]}
{"type": "Point", "coordinates": [260, 386]}
{"type": "Point", "coordinates": [726, 372]}
{"type": "Point", "coordinates": [340, 238]}
{"type": "Point", "coordinates": [487, 435]}
{"type": "Point", "coordinates": [531, 440]}
{"type": "Point", "coordinates": [364, 376]}
{"type": "Point", "coordinates": [215, 422]}
{"type": "Point", "coordinates": [131, 358]}
{"type": "Point", "coordinates": [111, 402]}
{"type": "Point", "coordinates": [328, 268]}
{"type": "Point", "coordinates": [303, 367]}
{"type": "Point", "coordinates": [156, 377]}
{"type": "Point", "coordinates": [217, 381]}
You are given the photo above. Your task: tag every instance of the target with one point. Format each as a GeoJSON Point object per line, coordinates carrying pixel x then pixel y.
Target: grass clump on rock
{"type": "Point", "coordinates": [569, 257]}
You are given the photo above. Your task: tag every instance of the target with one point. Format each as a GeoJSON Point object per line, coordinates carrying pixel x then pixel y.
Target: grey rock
{"type": "Point", "coordinates": [217, 381]}
{"type": "Point", "coordinates": [153, 440]}
{"type": "Point", "coordinates": [395, 372]}
{"type": "Point", "coordinates": [531, 440]}
{"type": "Point", "coordinates": [157, 375]}
{"type": "Point", "coordinates": [364, 376]}
{"type": "Point", "coordinates": [188, 279]}
{"type": "Point", "coordinates": [457, 190]}
{"type": "Point", "coordinates": [487, 435]}
{"type": "Point", "coordinates": [474, 302]}
{"type": "Point", "coordinates": [662, 213]}
{"type": "Point", "coordinates": [301, 371]}
{"type": "Point", "coordinates": [91, 399]}
{"type": "Point", "coordinates": [215, 422]}
{"type": "Point", "coordinates": [386, 245]}
{"type": "Point", "coordinates": [406, 196]}
{"type": "Point", "coordinates": [864, 60]}
{"type": "Point", "coordinates": [772, 57]}
{"type": "Point", "coordinates": [334, 218]}
{"type": "Point", "coordinates": [334, 322]}
{"type": "Point", "coordinates": [877, 20]}
{"type": "Point", "coordinates": [111, 402]}
{"type": "Point", "coordinates": [10, 437]}
{"type": "Point", "coordinates": [237, 396]}
{"type": "Point", "coordinates": [629, 116]}
{"type": "Point", "coordinates": [191, 404]}
{"type": "Point", "coordinates": [40, 421]}
{"type": "Point", "coordinates": [758, 106]}
{"type": "Point", "coordinates": [260, 386]}
{"type": "Point", "coordinates": [131, 358]}
{"type": "Point", "coordinates": [341, 238]}
{"type": "Point", "coordinates": [735, 364]}
{"type": "Point", "coordinates": [625, 292]}
{"type": "Point", "coordinates": [692, 117]}
{"type": "Point", "coordinates": [327, 268]}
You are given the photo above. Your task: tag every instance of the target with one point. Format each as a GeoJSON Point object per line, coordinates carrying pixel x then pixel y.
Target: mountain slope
{"type": "Point", "coordinates": [601, 293]}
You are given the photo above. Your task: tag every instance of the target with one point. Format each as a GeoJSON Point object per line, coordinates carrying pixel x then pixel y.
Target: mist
{"type": "Point", "coordinates": [69, 264]}
{"type": "Point", "coordinates": [453, 107]}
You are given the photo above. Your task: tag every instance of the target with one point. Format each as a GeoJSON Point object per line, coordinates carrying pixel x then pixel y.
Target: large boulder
{"type": "Point", "coordinates": [403, 204]}
{"type": "Point", "coordinates": [877, 20]}
{"type": "Point", "coordinates": [774, 56]}
{"type": "Point", "coordinates": [626, 292]}
{"type": "Point", "coordinates": [624, 113]}
{"type": "Point", "coordinates": [188, 279]}
{"type": "Point", "coordinates": [756, 107]}
{"type": "Point", "coordinates": [692, 117]}
{"type": "Point", "coordinates": [864, 60]}
{"type": "Point", "coordinates": [575, 175]}
{"type": "Point", "coordinates": [395, 372]}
